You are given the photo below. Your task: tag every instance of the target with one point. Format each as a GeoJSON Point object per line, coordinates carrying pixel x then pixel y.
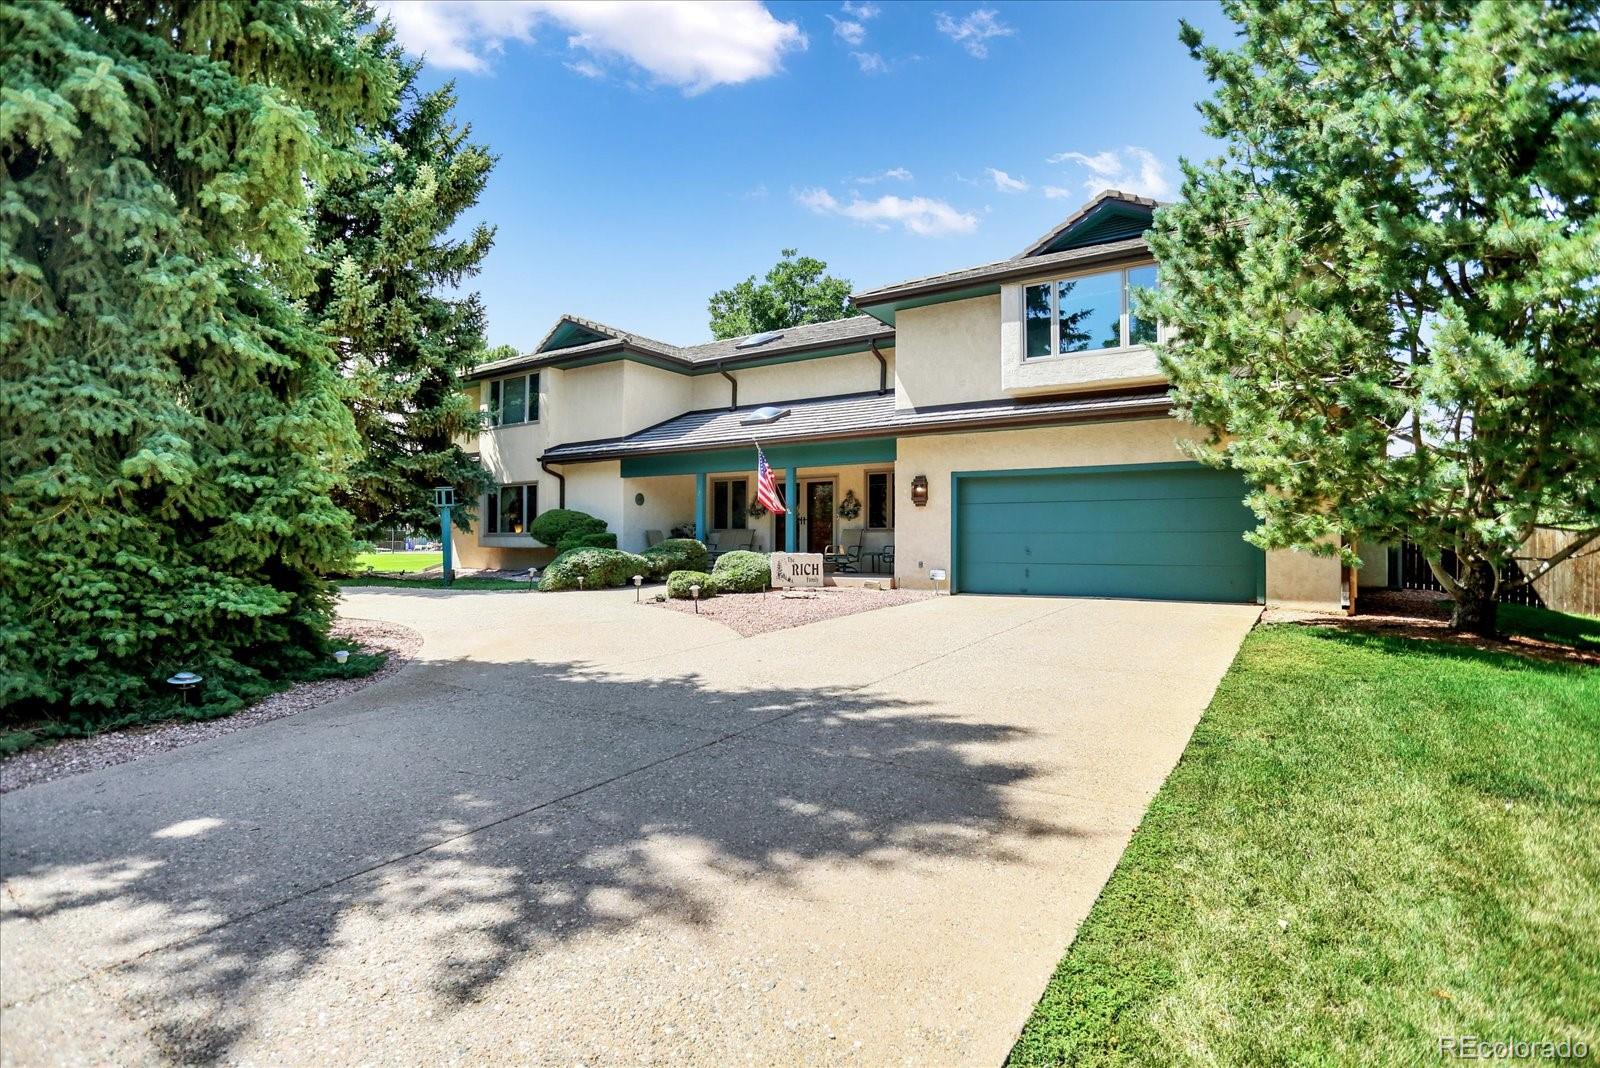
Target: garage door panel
{"type": "Point", "coordinates": [1181, 514]}
{"type": "Point", "coordinates": [1174, 582]}
{"type": "Point", "coordinates": [1212, 549]}
{"type": "Point", "coordinates": [1114, 485]}
{"type": "Point", "coordinates": [1172, 532]}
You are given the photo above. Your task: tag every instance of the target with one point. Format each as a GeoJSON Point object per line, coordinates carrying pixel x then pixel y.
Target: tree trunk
{"type": "Point", "coordinates": [1477, 607]}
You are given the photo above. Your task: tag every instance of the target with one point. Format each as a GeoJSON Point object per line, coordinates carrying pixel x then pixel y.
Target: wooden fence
{"type": "Point", "coordinates": [1572, 586]}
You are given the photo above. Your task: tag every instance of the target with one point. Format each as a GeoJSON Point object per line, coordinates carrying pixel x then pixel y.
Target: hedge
{"type": "Point", "coordinates": [558, 524]}
{"type": "Point", "coordinates": [678, 584]}
{"type": "Point", "coordinates": [742, 571]}
{"type": "Point", "coordinates": [602, 539]}
{"type": "Point", "coordinates": [599, 569]}
{"type": "Point", "coordinates": [676, 554]}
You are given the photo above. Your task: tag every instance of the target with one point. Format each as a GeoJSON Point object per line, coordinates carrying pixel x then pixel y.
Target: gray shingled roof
{"type": "Point", "coordinates": [857, 328]}
{"type": "Point", "coordinates": [852, 415]}
{"type": "Point", "coordinates": [1000, 271]}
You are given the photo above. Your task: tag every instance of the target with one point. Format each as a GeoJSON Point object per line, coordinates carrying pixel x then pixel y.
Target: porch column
{"type": "Point", "coordinates": [700, 506]}
{"type": "Point", "coordinates": [791, 500]}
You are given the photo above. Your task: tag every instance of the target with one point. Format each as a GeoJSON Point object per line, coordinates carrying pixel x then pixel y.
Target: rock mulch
{"type": "Point", "coordinates": [755, 613]}
{"type": "Point", "coordinates": [73, 756]}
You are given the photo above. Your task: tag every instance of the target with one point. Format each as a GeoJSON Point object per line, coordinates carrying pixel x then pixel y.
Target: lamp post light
{"type": "Point", "coordinates": [638, 586]}
{"type": "Point", "coordinates": [185, 681]}
{"type": "Point", "coordinates": [533, 577]}
{"type": "Point", "coordinates": [580, 583]}
{"type": "Point", "coordinates": [694, 591]}
{"type": "Point", "coordinates": [444, 499]}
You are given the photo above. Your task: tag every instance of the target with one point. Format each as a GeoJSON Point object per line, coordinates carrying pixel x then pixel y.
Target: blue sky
{"type": "Point", "coordinates": [654, 153]}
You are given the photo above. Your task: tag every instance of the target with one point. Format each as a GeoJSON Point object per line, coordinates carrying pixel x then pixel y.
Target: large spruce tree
{"type": "Point", "coordinates": [173, 422]}
{"type": "Point", "coordinates": [386, 297]}
{"type": "Point", "coordinates": [1384, 295]}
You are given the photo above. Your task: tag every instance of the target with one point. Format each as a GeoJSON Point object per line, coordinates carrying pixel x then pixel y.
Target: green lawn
{"type": "Point", "coordinates": [1370, 842]}
{"type": "Point", "coordinates": [468, 582]}
{"type": "Point", "coordinates": [397, 561]}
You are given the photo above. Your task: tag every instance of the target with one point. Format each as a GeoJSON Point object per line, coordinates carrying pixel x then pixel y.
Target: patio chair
{"type": "Point", "coordinates": [653, 537]}
{"type": "Point", "coordinates": [844, 559]}
{"type": "Point", "coordinates": [886, 557]}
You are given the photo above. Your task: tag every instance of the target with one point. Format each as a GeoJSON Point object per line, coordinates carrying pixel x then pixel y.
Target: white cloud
{"type": "Point", "coordinates": [848, 30]}
{"type": "Point", "coordinates": [864, 11]}
{"type": "Point", "coordinates": [585, 68]}
{"type": "Point", "coordinates": [923, 216]}
{"type": "Point", "coordinates": [694, 46]}
{"type": "Point", "coordinates": [871, 63]}
{"type": "Point", "coordinates": [974, 31]}
{"type": "Point", "coordinates": [1132, 170]}
{"type": "Point", "coordinates": [1004, 182]}
{"type": "Point", "coordinates": [1056, 192]}
{"type": "Point", "coordinates": [898, 174]}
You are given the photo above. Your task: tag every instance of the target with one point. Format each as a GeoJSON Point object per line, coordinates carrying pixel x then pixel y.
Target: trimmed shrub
{"type": "Point", "coordinates": [742, 571]}
{"type": "Point", "coordinates": [603, 539]}
{"type": "Point", "coordinates": [676, 554]}
{"type": "Point", "coordinates": [678, 584]}
{"type": "Point", "coordinates": [558, 524]}
{"type": "Point", "coordinates": [599, 569]}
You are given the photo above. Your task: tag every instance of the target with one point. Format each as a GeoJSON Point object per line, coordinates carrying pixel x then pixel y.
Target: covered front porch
{"type": "Point", "coordinates": [839, 496]}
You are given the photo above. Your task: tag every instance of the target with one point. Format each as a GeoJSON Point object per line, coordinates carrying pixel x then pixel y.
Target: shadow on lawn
{"type": "Point", "coordinates": [496, 812]}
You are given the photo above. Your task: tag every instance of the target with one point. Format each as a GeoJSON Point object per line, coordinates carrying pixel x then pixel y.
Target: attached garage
{"type": "Point", "coordinates": [1163, 531]}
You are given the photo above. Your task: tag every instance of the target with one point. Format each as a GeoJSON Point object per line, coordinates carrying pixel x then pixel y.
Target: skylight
{"type": "Point", "coordinates": [766, 414]}
{"type": "Point", "coordinates": [759, 339]}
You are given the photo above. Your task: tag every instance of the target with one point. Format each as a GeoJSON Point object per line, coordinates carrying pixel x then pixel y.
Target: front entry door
{"type": "Point", "coordinates": [819, 516]}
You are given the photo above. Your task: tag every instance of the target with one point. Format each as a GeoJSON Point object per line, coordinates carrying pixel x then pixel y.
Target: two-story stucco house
{"type": "Point", "coordinates": [1006, 425]}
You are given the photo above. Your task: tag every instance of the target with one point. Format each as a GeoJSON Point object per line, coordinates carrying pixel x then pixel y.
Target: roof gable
{"type": "Point", "coordinates": [1111, 216]}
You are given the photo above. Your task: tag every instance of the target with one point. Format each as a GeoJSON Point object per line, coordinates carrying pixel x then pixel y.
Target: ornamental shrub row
{"type": "Point", "coordinates": [678, 584]}
{"type": "Point", "coordinates": [676, 554]}
{"type": "Point", "coordinates": [599, 569]}
{"type": "Point", "coordinates": [742, 571]}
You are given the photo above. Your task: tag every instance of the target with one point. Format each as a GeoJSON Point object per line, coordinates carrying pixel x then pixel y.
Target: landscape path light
{"type": "Point", "coordinates": [638, 586]}
{"type": "Point", "coordinates": [185, 681]}
{"type": "Point", "coordinates": [694, 591]}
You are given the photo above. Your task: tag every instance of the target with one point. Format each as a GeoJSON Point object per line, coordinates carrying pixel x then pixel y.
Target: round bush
{"type": "Point", "coordinates": [678, 584]}
{"type": "Point", "coordinates": [557, 524]}
{"type": "Point", "coordinates": [676, 554]}
{"type": "Point", "coordinates": [742, 571]}
{"type": "Point", "coordinates": [599, 569]}
{"type": "Point", "coordinates": [603, 539]}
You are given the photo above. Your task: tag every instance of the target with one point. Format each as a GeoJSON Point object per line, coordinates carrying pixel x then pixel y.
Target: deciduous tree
{"type": "Point", "coordinates": [797, 290]}
{"type": "Point", "coordinates": [1384, 293]}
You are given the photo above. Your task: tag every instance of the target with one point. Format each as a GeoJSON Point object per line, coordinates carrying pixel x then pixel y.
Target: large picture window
{"type": "Point", "coordinates": [880, 500]}
{"type": "Point", "coordinates": [514, 400]}
{"type": "Point", "coordinates": [729, 498]}
{"type": "Point", "coordinates": [1086, 313]}
{"type": "Point", "coordinates": [509, 509]}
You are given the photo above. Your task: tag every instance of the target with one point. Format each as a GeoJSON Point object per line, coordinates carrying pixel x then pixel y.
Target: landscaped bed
{"type": "Point", "coordinates": [1374, 841]}
{"type": "Point", "coordinates": [758, 613]}
{"type": "Point", "coordinates": [72, 756]}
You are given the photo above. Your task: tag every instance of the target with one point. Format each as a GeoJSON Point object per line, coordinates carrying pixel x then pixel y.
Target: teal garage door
{"type": "Point", "coordinates": [1169, 531]}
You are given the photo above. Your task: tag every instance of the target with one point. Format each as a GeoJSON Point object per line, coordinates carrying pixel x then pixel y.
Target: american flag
{"type": "Point", "coordinates": [766, 485]}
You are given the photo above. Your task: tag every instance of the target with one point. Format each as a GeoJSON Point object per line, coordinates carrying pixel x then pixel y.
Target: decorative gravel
{"type": "Point", "coordinates": [73, 756]}
{"type": "Point", "coordinates": [755, 613]}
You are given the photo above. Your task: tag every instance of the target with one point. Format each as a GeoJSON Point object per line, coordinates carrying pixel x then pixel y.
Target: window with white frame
{"type": "Point", "coordinates": [1087, 312]}
{"type": "Point", "coordinates": [514, 400]}
{"type": "Point", "coordinates": [880, 500]}
{"type": "Point", "coordinates": [509, 509]}
{"type": "Point", "coordinates": [729, 500]}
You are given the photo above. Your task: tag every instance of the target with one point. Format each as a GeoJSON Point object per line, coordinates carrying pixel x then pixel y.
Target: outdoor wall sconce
{"type": "Point", "coordinates": [919, 491]}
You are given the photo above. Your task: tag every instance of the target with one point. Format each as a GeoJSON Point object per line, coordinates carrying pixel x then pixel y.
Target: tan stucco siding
{"type": "Point", "coordinates": [922, 535]}
{"type": "Point", "coordinates": [827, 377]}
{"type": "Point", "coordinates": [948, 353]}
{"type": "Point", "coordinates": [668, 501]}
{"type": "Point", "coordinates": [649, 396]}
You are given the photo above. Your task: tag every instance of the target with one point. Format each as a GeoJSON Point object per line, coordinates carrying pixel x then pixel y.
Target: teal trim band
{"type": "Point", "coordinates": [743, 458]}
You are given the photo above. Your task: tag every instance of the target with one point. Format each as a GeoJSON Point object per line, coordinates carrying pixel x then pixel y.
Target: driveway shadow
{"type": "Point", "coordinates": [481, 817]}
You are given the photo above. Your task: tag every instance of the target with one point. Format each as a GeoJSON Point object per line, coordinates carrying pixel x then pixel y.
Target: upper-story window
{"type": "Point", "coordinates": [514, 400]}
{"type": "Point", "coordinates": [1086, 313]}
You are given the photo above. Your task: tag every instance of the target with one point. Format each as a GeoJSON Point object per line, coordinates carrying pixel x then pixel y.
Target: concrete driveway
{"type": "Point", "coordinates": [578, 830]}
